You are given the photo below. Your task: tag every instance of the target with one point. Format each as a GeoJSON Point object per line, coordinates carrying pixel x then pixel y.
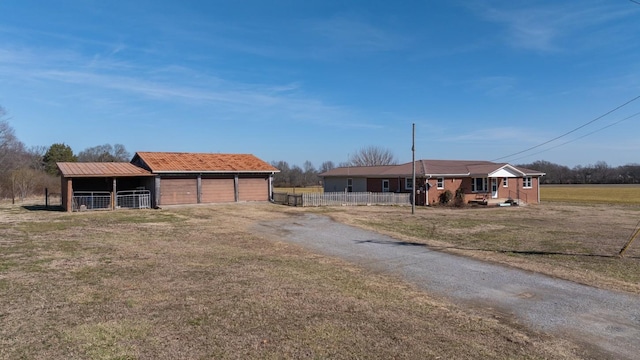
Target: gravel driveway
{"type": "Point", "coordinates": [607, 319]}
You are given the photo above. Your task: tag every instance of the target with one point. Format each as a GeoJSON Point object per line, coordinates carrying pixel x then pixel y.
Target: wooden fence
{"type": "Point", "coordinates": [342, 199]}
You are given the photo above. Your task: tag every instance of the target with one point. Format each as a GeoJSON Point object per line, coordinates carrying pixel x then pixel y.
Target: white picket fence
{"type": "Point", "coordinates": [354, 198]}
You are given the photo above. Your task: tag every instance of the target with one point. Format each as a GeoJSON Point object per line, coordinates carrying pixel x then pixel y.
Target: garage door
{"type": "Point", "coordinates": [217, 191]}
{"type": "Point", "coordinates": [253, 189]}
{"type": "Point", "coordinates": [178, 191]}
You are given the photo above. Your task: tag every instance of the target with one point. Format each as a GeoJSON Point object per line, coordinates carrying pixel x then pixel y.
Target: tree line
{"type": "Point", "coordinates": [27, 171]}
{"type": "Point", "coordinates": [598, 173]}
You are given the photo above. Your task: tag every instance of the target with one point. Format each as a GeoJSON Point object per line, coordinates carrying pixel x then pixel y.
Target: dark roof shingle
{"type": "Point", "coordinates": [427, 168]}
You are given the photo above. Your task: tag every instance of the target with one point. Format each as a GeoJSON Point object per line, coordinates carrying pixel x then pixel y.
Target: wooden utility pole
{"type": "Point", "coordinates": [633, 237]}
{"type": "Point", "coordinates": [413, 168]}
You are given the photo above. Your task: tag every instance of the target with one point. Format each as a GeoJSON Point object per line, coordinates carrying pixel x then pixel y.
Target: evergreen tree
{"type": "Point", "coordinates": [58, 152]}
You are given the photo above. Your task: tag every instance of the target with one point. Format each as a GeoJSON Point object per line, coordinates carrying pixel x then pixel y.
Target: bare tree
{"type": "Point", "coordinates": [296, 176]}
{"type": "Point", "coordinates": [10, 147]}
{"type": "Point", "coordinates": [326, 166]}
{"type": "Point", "coordinates": [12, 152]}
{"type": "Point", "coordinates": [23, 182]}
{"type": "Point", "coordinates": [32, 158]}
{"type": "Point", "coordinates": [281, 178]}
{"type": "Point", "coordinates": [310, 174]}
{"type": "Point", "coordinates": [105, 153]}
{"type": "Point", "coordinates": [371, 156]}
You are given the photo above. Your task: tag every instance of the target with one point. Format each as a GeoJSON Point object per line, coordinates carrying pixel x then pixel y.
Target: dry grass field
{"type": "Point", "coordinates": [574, 242]}
{"type": "Point", "coordinates": [194, 282]}
{"type": "Point", "coordinates": [591, 194]}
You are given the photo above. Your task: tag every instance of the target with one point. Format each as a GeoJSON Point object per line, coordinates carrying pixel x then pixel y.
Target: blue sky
{"type": "Point", "coordinates": [317, 80]}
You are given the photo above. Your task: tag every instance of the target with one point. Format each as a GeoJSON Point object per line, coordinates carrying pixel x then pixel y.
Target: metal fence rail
{"type": "Point", "coordinates": [91, 200]}
{"type": "Point", "coordinates": [133, 199]}
{"type": "Point", "coordinates": [355, 198]}
{"type": "Point", "coordinates": [518, 196]}
{"type": "Point", "coordinates": [287, 199]}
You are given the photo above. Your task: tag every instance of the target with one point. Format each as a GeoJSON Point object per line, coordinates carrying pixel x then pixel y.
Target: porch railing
{"type": "Point", "coordinates": [518, 196]}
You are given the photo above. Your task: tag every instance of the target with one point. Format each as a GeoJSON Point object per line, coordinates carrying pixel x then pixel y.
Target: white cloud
{"type": "Point", "coordinates": [494, 86]}
{"type": "Point", "coordinates": [125, 84]}
{"type": "Point", "coordinates": [552, 26]}
{"type": "Point", "coordinates": [501, 134]}
{"type": "Point", "coordinates": [351, 34]}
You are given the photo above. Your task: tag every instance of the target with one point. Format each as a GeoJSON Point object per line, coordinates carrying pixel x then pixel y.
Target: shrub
{"type": "Point", "coordinates": [459, 198]}
{"type": "Point", "coordinates": [445, 197]}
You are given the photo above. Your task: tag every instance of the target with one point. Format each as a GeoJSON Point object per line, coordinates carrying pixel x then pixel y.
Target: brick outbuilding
{"type": "Point", "coordinates": [154, 179]}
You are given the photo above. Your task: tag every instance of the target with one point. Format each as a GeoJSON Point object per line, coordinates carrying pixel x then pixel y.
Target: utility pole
{"type": "Point", "coordinates": [633, 237]}
{"type": "Point", "coordinates": [413, 168]}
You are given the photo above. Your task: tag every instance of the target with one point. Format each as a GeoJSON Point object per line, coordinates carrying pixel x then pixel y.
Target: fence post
{"type": "Point", "coordinates": [46, 198]}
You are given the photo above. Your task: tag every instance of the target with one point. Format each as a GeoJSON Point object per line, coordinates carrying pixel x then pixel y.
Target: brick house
{"type": "Point", "coordinates": [481, 181]}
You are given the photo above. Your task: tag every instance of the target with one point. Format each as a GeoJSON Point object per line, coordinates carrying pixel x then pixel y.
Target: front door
{"type": "Point", "coordinates": [385, 185]}
{"type": "Point", "coordinates": [494, 188]}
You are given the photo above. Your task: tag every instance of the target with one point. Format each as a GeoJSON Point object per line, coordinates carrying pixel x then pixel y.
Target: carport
{"type": "Point", "coordinates": [105, 186]}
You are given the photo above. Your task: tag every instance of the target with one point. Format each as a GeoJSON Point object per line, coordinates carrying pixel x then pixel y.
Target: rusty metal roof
{"type": "Point", "coordinates": [163, 162]}
{"type": "Point", "coordinates": [101, 169]}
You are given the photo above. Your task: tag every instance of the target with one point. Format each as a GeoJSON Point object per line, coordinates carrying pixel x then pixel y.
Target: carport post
{"type": "Point", "coordinates": [199, 189]}
{"type": "Point", "coordinates": [156, 190]}
{"type": "Point", "coordinates": [113, 195]}
{"type": "Point", "coordinates": [236, 189]}
{"type": "Point", "coordinates": [270, 187]}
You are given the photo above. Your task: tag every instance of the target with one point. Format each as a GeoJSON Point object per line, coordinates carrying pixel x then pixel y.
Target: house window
{"type": "Point", "coordinates": [440, 183]}
{"type": "Point", "coordinates": [479, 184]}
{"type": "Point", "coordinates": [408, 183]}
{"type": "Point", "coordinates": [526, 182]}
{"type": "Point", "coordinates": [505, 182]}
{"type": "Point", "coordinates": [385, 185]}
{"type": "Point", "coordinates": [349, 185]}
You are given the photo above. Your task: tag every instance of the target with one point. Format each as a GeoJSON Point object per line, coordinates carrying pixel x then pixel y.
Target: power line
{"type": "Point", "coordinates": [572, 131]}
{"type": "Point", "coordinates": [578, 138]}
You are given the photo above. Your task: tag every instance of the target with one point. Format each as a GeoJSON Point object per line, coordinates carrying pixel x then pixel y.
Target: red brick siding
{"type": "Point", "coordinates": [451, 184]}
{"type": "Point", "coordinates": [514, 189]}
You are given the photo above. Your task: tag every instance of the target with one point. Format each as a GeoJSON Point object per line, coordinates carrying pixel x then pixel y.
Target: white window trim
{"type": "Point", "coordinates": [527, 180]}
{"type": "Point", "coordinates": [505, 182]}
{"type": "Point", "coordinates": [485, 185]}
{"type": "Point", "coordinates": [388, 185]}
{"type": "Point", "coordinates": [408, 183]}
{"type": "Point", "coordinates": [440, 184]}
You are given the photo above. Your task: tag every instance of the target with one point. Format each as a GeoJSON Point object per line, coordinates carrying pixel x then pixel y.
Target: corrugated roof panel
{"type": "Point", "coordinates": [101, 169]}
{"type": "Point", "coordinates": [203, 162]}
